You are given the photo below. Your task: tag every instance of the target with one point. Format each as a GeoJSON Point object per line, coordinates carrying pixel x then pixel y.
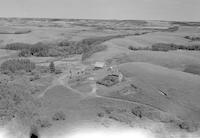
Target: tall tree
{"type": "Point", "coordinates": [52, 67]}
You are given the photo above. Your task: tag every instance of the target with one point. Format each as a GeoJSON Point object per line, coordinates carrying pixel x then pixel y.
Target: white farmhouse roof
{"type": "Point", "coordinates": [99, 64]}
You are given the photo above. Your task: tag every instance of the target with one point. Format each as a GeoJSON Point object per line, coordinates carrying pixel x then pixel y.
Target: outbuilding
{"type": "Point", "coordinates": [99, 65]}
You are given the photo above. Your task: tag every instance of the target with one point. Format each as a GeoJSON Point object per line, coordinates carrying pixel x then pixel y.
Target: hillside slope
{"type": "Point", "coordinates": [173, 91]}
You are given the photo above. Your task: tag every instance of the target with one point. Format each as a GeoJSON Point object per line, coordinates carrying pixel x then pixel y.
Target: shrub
{"type": "Point", "coordinates": [59, 116]}
{"type": "Point", "coordinates": [138, 48]}
{"type": "Point", "coordinates": [134, 48]}
{"type": "Point", "coordinates": [192, 38]}
{"type": "Point", "coordinates": [193, 47]}
{"type": "Point", "coordinates": [100, 114]}
{"type": "Point", "coordinates": [64, 43]}
{"type": "Point", "coordinates": [43, 123]}
{"type": "Point", "coordinates": [39, 49]}
{"type": "Point", "coordinates": [188, 126]}
{"type": "Point", "coordinates": [167, 47]}
{"type": "Point", "coordinates": [7, 72]}
{"type": "Point", "coordinates": [137, 111]}
{"type": "Point", "coordinates": [131, 48]}
{"type": "Point", "coordinates": [172, 29]}
{"type": "Point", "coordinates": [14, 65]}
{"type": "Point", "coordinates": [109, 80]}
{"type": "Point", "coordinates": [137, 34]}
{"type": "Point", "coordinates": [58, 71]}
{"type": "Point", "coordinates": [24, 53]}
{"type": "Point", "coordinates": [17, 46]}
{"type": "Point", "coordinates": [162, 47]}
{"type": "Point", "coordinates": [35, 77]}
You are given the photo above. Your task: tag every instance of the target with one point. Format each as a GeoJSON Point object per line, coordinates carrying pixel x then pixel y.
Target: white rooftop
{"type": "Point", "coordinates": [99, 64]}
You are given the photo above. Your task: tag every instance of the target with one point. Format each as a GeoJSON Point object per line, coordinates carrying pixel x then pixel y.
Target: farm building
{"type": "Point", "coordinates": [99, 65]}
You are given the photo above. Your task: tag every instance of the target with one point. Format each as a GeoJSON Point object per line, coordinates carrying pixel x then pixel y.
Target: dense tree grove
{"type": "Point", "coordinates": [192, 38]}
{"type": "Point", "coordinates": [14, 65]}
{"type": "Point", "coordinates": [86, 47]}
{"type": "Point", "coordinates": [17, 46]}
{"type": "Point", "coordinates": [38, 49]}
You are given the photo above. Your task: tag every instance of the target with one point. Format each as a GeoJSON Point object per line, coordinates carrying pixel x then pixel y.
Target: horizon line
{"type": "Point", "coordinates": [12, 17]}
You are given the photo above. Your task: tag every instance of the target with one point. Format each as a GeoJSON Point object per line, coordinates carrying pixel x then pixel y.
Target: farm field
{"type": "Point", "coordinates": [59, 76]}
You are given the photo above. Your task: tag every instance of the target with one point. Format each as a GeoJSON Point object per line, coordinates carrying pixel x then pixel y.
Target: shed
{"type": "Point", "coordinates": [99, 65]}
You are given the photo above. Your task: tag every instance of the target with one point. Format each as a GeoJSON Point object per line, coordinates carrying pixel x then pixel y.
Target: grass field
{"type": "Point", "coordinates": [158, 92]}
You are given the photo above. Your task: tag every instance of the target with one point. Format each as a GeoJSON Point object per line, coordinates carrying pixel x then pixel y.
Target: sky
{"type": "Point", "coordinates": [176, 10]}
